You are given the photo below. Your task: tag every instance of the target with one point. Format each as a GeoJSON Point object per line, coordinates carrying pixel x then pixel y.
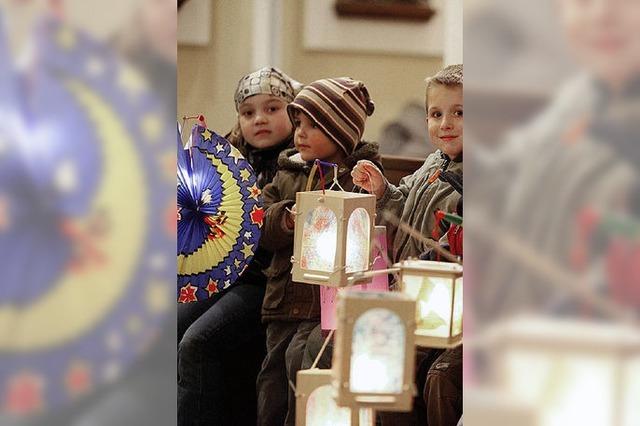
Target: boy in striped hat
{"type": "Point", "coordinates": [328, 117]}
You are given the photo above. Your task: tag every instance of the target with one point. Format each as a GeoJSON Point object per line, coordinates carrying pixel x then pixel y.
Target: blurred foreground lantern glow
{"type": "Point", "coordinates": [374, 351]}
{"type": "Point", "coordinates": [437, 289]}
{"type": "Point", "coordinates": [574, 372]}
{"type": "Point", "coordinates": [333, 235]}
{"type": "Point", "coordinates": [316, 406]}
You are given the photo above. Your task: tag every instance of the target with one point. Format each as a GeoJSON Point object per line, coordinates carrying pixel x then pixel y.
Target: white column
{"type": "Point", "coordinates": [267, 35]}
{"type": "Point", "coordinates": [453, 17]}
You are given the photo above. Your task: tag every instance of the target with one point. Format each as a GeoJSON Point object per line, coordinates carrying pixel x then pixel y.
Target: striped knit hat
{"type": "Point", "coordinates": [339, 106]}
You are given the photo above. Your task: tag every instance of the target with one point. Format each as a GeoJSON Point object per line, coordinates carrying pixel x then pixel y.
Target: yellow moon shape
{"type": "Point", "coordinates": [201, 260]}
{"type": "Point", "coordinates": [77, 302]}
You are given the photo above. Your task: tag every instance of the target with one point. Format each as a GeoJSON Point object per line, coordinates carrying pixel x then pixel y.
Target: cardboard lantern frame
{"type": "Point", "coordinates": [352, 306]}
{"type": "Point", "coordinates": [342, 204]}
{"type": "Point", "coordinates": [451, 272]}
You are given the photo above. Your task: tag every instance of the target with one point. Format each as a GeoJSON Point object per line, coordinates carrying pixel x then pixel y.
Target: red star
{"type": "Point", "coordinates": [212, 287]}
{"type": "Point", "coordinates": [78, 378]}
{"type": "Point", "coordinates": [23, 394]}
{"type": "Point", "coordinates": [188, 294]}
{"type": "Point", "coordinates": [257, 215]}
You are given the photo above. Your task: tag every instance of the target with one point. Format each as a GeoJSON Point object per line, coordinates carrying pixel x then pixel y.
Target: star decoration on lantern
{"type": "Point", "coordinates": [206, 135]}
{"type": "Point", "coordinates": [219, 147]}
{"type": "Point", "coordinates": [235, 154]}
{"type": "Point", "coordinates": [257, 215]}
{"type": "Point", "coordinates": [66, 38]}
{"type": "Point", "coordinates": [187, 294]}
{"type": "Point", "coordinates": [247, 250]}
{"type": "Point", "coordinates": [212, 287]}
{"type": "Point", "coordinates": [254, 192]}
{"type": "Point", "coordinates": [23, 394]}
{"type": "Point", "coordinates": [78, 378]}
{"type": "Point", "coordinates": [245, 174]}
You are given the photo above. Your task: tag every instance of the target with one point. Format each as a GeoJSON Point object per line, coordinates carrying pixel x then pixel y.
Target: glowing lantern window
{"type": "Point", "coordinates": [572, 371]}
{"type": "Point", "coordinates": [437, 289]}
{"type": "Point", "coordinates": [316, 406]}
{"type": "Point", "coordinates": [374, 350]}
{"type": "Point", "coordinates": [332, 236]}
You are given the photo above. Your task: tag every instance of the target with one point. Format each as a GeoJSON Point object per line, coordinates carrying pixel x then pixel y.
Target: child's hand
{"type": "Point", "coordinates": [290, 217]}
{"type": "Point", "coordinates": [366, 175]}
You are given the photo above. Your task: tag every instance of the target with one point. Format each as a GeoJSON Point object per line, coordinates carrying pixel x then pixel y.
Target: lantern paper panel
{"type": "Point", "coordinates": [328, 295]}
{"type": "Point", "coordinates": [323, 411]}
{"type": "Point", "coordinates": [573, 372]}
{"type": "Point", "coordinates": [438, 291]}
{"type": "Point", "coordinates": [332, 236]}
{"type": "Point", "coordinates": [319, 240]}
{"type": "Point", "coordinates": [377, 352]}
{"type": "Point", "coordinates": [358, 241]}
{"type": "Point", "coordinates": [374, 350]}
{"type": "Point", "coordinates": [315, 404]}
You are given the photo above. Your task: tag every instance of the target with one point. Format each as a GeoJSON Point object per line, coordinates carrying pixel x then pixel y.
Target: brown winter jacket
{"type": "Point", "coordinates": [286, 300]}
{"type": "Point", "coordinates": [414, 202]}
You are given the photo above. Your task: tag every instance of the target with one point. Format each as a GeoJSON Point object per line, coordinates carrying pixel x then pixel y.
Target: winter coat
{"type": "Point", "coordinates": [284, 299]}
{"type": "Point", "coordinates": [415, 202]}
{"type": "Point", "coordinates": [265, 164]}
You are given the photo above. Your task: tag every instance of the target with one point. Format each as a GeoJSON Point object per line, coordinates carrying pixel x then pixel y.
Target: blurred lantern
{"type": "Point", "coordinates": [332, 236]}
{"type": "Point", "coordinates": [483, 406]}
{"type": "Point", "coordinates": [378, 282]}
{"type": "Point", "coordinates": [374, 351]}
{"type": "Point", "coordinates": [437, 289]}
{"type": "Point", "coordinates": [572, 371]}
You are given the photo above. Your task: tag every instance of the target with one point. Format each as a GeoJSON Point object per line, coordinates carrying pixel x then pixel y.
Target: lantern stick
{"type": "Point", "coordinates": [324, 346]}
{"type": "Point", "coordinates": [390, 217]}
{"type": "Point", "coordinates": [514, 248]}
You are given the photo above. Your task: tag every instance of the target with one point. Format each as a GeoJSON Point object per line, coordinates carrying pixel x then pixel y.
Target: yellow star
{"type": "Point", "coordinates": [245, 174]}
{"type": "Point", "coordinates": [131, 81]}
{"type": "Point", "coordinates": [247, 250]}
{"type": "Point", "coordinates": [66, 38]}
{"type": "Point", "coordinates": [235, 154]}
{"type": "Point", "coordinates": [157, 299]}
{"type": "Point", "coordinates": [151, 127]}
{"type": "Point", "coordinates": [237, 263]}
{"type": "Point", "coordinates": [207, 135]}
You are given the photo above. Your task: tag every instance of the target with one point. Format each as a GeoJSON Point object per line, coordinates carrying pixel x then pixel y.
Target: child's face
{"type": "Point", "coordinates": [312, 143]}
{"type": "Point", "coordinates": [264, 121]}
{"type": "Point", "coordinates": [604, 35]}
{"type": "Point", "coordinates": [444, 118]}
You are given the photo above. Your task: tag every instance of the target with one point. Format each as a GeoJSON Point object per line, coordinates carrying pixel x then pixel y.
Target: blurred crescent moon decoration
{"type": "Point", "coordinates": [85, 269]}
{"type": "Point", "coordinates": [220, 214]}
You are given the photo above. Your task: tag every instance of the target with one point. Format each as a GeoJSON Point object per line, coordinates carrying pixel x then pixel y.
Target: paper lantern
{"type": "Point", "coordinates": [437, 289]}
{"type": "Point", "coordinates": [328, 295]}
{"type": "Point", "coordinates": [572, 371]}
{"type": "Point", "coordinates": [374, 352]}
{"type": "Point", "coordinates": [314, 400]}
{"type": "Point", "coordinates": [333, 234]}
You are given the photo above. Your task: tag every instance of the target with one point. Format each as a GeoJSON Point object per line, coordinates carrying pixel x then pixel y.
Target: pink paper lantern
{"type": "Point", "coordinates": [328, 295]}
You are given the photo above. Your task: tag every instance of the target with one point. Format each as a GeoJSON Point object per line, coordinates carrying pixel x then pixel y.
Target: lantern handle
{"type": "Point", "coordinates": [335, 179]}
